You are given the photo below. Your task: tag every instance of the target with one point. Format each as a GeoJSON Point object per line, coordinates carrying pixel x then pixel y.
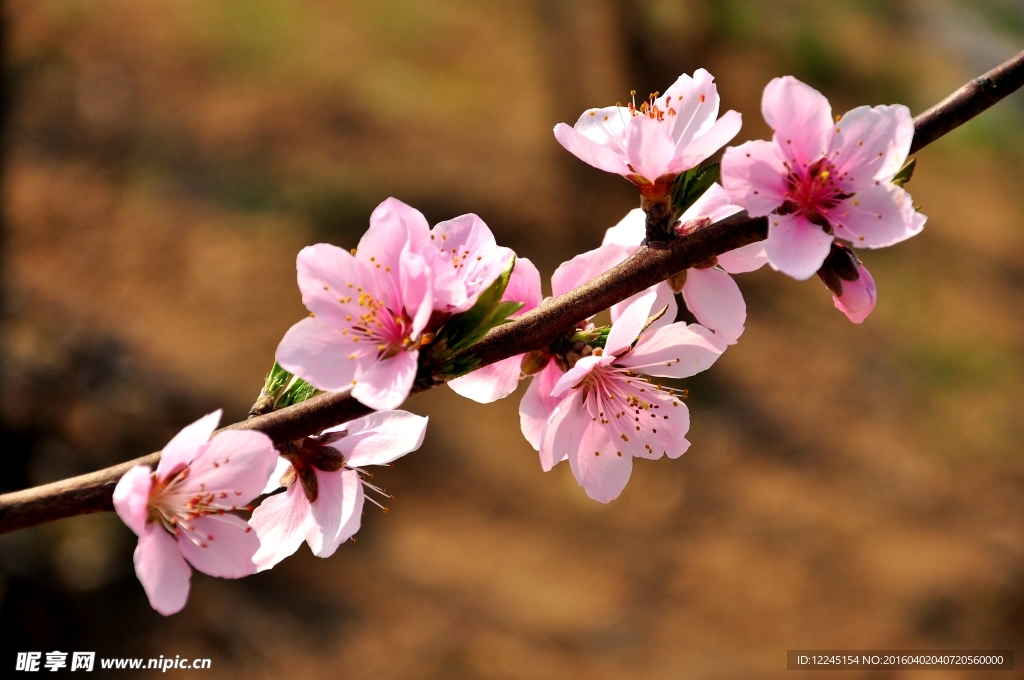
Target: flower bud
{"type": "Point", "coordinates": [853, 289]}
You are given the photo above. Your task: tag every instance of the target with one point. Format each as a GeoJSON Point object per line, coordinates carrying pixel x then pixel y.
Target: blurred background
{"type": "Point", "coordinates": [848, 486]}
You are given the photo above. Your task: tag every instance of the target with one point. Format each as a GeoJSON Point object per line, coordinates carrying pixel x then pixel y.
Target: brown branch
{"type": "Point", "coordinates": [533, 330]}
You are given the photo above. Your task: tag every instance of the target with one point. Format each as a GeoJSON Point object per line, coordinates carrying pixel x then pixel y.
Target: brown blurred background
{"type": "Point", "coordinates": [848, 486]}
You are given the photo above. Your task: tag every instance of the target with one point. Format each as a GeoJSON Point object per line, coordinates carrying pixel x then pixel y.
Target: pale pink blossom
{"type": "Point", "coordinates": [608, 411]}
{"type": "Point", "coordinates": [709, 292]}
{"type": "Point", "coordinates": [498, 380]}
{"type": "Point", "coordinates": [323, 501]}
{"type": "Point", "coordinates": [819, 179]}
{"type": "Point", "coordinates": [183, 510]}
{"type": "Point", "coordinates": [369, 311]}
{"type": "Point", "coordinates": [654, 143]}
{"type": "Point", "coordinates": [857, 300]}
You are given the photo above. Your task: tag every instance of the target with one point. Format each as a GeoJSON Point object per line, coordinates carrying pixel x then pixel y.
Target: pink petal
{"type": "Point", "coordinates": [598, 462]}
{"type": "Point", "coordinates": [131, 497]}
{"type": "Point", "coordinates": [336, 511]}
{"type": "Point", "coordinates": [183, 447]}
{"type": "Point", "coordinates": [589, 151]}
{"type": "Point", "coordinates": [716, 301]}
{"type": "Point", "coordinates": [561, 433]}
{"type": "Point", "coordinates": [665, 299]}
{"type": "Point", "coordinates": [605, 126]}
{"type": "Point", "coordinates": [704, 146]}
{"type": "Point", "coordinates": [393, 226]}
{"type": "Point", "coordinates": [380, 438]}
{"type": "Point", "coordinates": [695, 101]}
{"type": "Point", "coordinates": [746, 259]}
{"type": "Point", "coordinates": [649, 147]}
{"type": "Point", "coordinates": [858, 298]}
{"type": "Point", "coordinates": [877, 217]}
{"type": "Point", "coordinates": [274, 483]}
{"type": "Point", "coordinates": [467, 247]}
{"type": "Point", "coordinates": [229, 543]}
{"type": "Point", "coordinates": [630, 322]}
{"type": "Point", "coordinates": [629, 232]}
{"type": "Point", "coordinates": [237, 463]}
{"type": "Point", "coordinates": [577, 373]}
{"type": "Point", "coordinates": [537, 404]}
{"type": "Point", "coordinates": [523, 286]}
{"type": "Point", "coordinates": [490, 383]}
{"type": "Point", "coordinates": [871, 143]}
{"type": "Point", "coordinates": [328, 275]}
{"type": "Point", "coordinates": [162, 570]}
{"type": "Point", "coordinates": [676, 351]}
{"type": "Point", "coordinates": [317, 352]}
{"type": "Point", "coordinates": [800, 116]}
{"type": "Point", "coordinates": [417, 283]}
{"type": "Point", "coordinates": [754, 177]}
{"type": "Point", "coordinates": [280, 524]}
{"type": "Point", "coordinates": [388, 381]}
{"type": "Point", "coordinates": [585, 267]}
{"type": "Point", "coordinates": [714, 204]}
{"type": "Point", "coordinates": [796, 246]}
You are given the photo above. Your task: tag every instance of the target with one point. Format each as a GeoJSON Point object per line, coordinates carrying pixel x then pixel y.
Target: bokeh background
{"type": "Point", "coordinates": [848, 486]}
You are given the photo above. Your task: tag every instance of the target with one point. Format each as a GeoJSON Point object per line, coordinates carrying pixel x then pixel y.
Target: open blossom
{"type": "Point", "coordinates": [853, 288]}
{"type": "Point", "coordinates": [369, 310]}
{"type": "Point", "coordinates": [818, 179]}
{"type": "Point", "coordinates": [498, 380]}
{"type": "Point", "coordinates": [182, 511]}
{"type": "Point", "coordinates": [324, 497]}
{"type": "Point", "coordinates": [608, 411]}
{"type": "Point", "coordinates": [710, 293]}
{"type": "Point", "coordinates": [654, 143]}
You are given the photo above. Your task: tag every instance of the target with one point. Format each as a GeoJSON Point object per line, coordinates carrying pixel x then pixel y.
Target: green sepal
{"type": "Point", "coordinates": [691, 185]}
{"type": "Point", "coordinates": [905, 173]}
{"type": "Point", "coordinates": [595, 337]}
{"type": "Point", "coordinates": [282, 389]}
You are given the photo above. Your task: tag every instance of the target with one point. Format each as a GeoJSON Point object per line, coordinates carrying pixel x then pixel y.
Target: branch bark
{"type": "Point", "coordinates": [534, 330]}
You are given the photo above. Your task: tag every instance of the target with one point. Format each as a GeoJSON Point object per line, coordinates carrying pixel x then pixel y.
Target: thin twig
{"type": "Point", "coordinates": [533, 330]}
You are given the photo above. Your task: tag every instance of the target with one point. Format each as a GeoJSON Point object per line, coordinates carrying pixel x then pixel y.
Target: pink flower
{"type": "Point", "coordinates": [370, 310]}
{"type": "Point", "coordinates": [710, 293]}
{"type": "Point", "coordinates": [853, 288]}
{"type": "Point", "coordinates": [818, 179]}
{"type": "Point", "coordinates": [324, 497]}
{"type": "Point", "coordinates": [182, 511]}
{"type": "Point", "coordinates": [608, 412]}
{"type": "Point", "coordinates": [498, 380]}
{"type": "Point", "coordinates": [651, 145]}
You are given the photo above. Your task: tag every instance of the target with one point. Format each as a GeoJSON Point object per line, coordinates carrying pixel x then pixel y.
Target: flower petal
{"type": "Point", "coordinates": [394, 226]}
{"type": "Point", "coordinates": [280, 524]}
{"type": "Point", "coordinates": [320, 354]}
{"type": "Point", "coordinates": [695, 102]}
{"type": "Point", "coordinates": [329, 278]}
{"type": "Point", "coordinates": [274, 483]}
{"type": "Point", "coordinates": [754, 177]}
{"type": "Point", "coordinates": [417, 284]}
{"type": "Point", "coordinates": [523, 286]}
{"type": "Point", "coordinates": [715, 299]}
{"type": "Point", "coordinates": [467, 247]}
{"type": "Point", "coordinates": [388, 381]}
{"type": "Point", "coordinates": [676, 351]}
{"type": "Point", "coordinates": [630, 322]}
{"type": "Point", "coordinates": [575, 375]}
{"type": "Point", "coordinates": [561, 433]}
{"type": "Point", "coordinates": [226, 548]}
{"type": "Point", "coordinates": [877, 217]}
{"type": "Point", "coordinates": [796, 246]}
{"type": "Point", "coordinates": [870, 143]}
{"type": "Point", "coordinates": [185, 445]}
{"type": "Point", "coordinates": [650, 149]}
{"type": "Point", "coordinates": [162, 570]}
{"type": "Point", "coordinates": [537, 403]}
{"type": "Point", "coordinates": [336, 511]}
{"type": "Point", "coordinates": [665, 299]}
{"type": "Point", "coordinates": [598, 462]}
{"type": "Point", "coordinates": [380, 438]}
{"type": "Point", "coordinates": [490, 383]}
{"type": "Point", "coordinates": [714, 204]}
{"type": "Point", "coordinates": [749, 258]}
{"type": "Point", "coordinates": [591, 152]}
{"type": "Point", "coordinates": [705, 145]}
{"type": "Point", "coordinates": [131, 497]}
{"type": "Point", "coordinates": [586, 267]}
{"type": "Point", "coordinates": [236, 464]}
{"type": "Point", "coordinates": [629, 232]}
{"type": "Point", "coordinates": [800, 116]}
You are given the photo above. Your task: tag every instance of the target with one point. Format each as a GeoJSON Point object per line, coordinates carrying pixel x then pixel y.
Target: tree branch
{"type": "Point", "coordinates": [534, 330]}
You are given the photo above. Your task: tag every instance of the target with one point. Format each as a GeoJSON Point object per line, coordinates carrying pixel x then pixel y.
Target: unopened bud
{"type": "Point", "coordinates": [853, 288]}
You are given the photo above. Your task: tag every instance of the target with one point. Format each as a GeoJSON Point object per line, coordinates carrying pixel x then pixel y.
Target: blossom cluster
{"type": "Point", "coordinates": [405, 307]}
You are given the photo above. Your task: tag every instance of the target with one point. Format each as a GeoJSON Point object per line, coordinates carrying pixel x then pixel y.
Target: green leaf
{"type": "Point", "coordinates": [691, 185]}
{"type": "Point", "coordinates": [281, 388]}
{"type": "Point", "coordinates": [905, 173]}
